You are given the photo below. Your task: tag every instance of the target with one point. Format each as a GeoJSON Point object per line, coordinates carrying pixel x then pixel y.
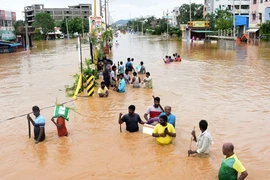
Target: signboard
{"type": "Point", "coordinates": [7, 15]}
{"type": "Point", "coordinates": [7, 35]}
{"type": "Point", "coordinates": [198, 23]}
{"type": "Point", "coordinates": [94, 23]}
{"type": "Point", "coordinates": [61, 111]}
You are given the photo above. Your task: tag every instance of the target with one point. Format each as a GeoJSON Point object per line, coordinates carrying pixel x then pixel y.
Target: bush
{"type": "Point", "coordinates": [38, 36]}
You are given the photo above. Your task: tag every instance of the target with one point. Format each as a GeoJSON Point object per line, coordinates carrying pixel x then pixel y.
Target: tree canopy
{"type": "Point", "coordinates": [221, 19]}
{"type": "Point", "coordinates": [184, 13]}
{"type": "Point", "coordinates": [75, 25]}
{"type": "Point", "coordinates": [153, 26]}
{"type": "Point", "coordinates": [45, 22]}
{"type": "Point", "coordinates": [265, 30]}
{"type": "Point", "coordinates": [17, 25]}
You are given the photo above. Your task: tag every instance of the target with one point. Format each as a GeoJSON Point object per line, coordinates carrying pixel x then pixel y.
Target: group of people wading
{"type": "Point", "coordinates": [162, 120]}
{"type": "Point", "coordinates": [117, 77]}
{"type": "Point", "coordinates": [174, 58]}
{"type": "Point", "coordinates": [164, 131]}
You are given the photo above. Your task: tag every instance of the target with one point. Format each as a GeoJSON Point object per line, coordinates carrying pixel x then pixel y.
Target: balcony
{"type": "Point", "coordinates": [29, 15]}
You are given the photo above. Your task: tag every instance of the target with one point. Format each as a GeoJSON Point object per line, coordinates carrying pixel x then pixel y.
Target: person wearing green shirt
{"type": "Point", "coordinates": [231, 166]}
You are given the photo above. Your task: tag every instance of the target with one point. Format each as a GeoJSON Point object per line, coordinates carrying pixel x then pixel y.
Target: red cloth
{"type": "Point", "coordinates": [62, 131]}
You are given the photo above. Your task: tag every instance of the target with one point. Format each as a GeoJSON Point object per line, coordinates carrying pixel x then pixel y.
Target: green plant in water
{"type": "Point", "coordinates": [86, 72]}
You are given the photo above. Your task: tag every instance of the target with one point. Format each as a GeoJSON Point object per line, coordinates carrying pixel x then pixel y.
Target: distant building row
{"type": "Point", "coordinates": [257, 10]}
{"type": "Point", "coordinates": [58, 14]}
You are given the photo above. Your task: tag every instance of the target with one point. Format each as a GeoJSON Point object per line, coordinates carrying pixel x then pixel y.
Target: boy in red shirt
{"type": "Point", "coordinates": [61, 126]}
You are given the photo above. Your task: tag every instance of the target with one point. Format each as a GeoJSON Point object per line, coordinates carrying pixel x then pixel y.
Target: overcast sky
{"type": "Point", "coordinates": [120, 9]}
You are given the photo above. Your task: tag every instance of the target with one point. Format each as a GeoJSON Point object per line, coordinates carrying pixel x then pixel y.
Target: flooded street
{"type": "Point", "coordinates": [226, 85]}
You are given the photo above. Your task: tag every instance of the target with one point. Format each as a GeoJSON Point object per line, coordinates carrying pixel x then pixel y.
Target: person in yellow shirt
{"type": "Point", "coordinates": [103, 90]}
{"type": "Point", "coordinates": [163, 131]}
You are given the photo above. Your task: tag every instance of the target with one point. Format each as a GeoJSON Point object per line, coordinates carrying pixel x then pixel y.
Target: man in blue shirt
{"type": "Point", "coordinates": [121, 68]}
{"type": "Point", "coordinates": [129, 66]}
{"type": "Point", "coordinates": [39, 125]}
{"type": "Point", "coordinates": [122, 84]}
{"type": "Point", "coordinates": [171, 117]}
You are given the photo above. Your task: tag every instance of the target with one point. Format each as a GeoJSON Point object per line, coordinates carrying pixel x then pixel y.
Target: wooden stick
{"type": "Point", "coordinates": [191, 139]}
{"type": "Point", "coordinates": [159, 104]}
{"type": "Point", "coordinates": [29, 129]}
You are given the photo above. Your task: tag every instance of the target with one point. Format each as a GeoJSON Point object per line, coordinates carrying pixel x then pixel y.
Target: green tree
{"type": "Point", "coordinates": [45, 22]}
{"type": "Point", "coordinates": [212, 20]}
{"type": "Point", "coordinates": [184, 13]}
{"type": "Point", "coordinates": [224, 19]}
{"type": "Point", "coordinates": [58, 23]}
{"type": "Point", "coordinates": [75, 25]}
{"type": "Point", "coordinates": [18, 25]}
{"type": "Point", "coordinates": [265, 30]}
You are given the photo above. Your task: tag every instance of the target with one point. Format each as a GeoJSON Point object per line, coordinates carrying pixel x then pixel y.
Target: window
{"type": "Point", "coordinates": [269, 14]}
{"type": "Point", "coordinates": [57, 12]}
{"type": "Point", "coordinates": [76, 12]}
{"type": "Point", "coordinates": [253, 17]}
{"type": "Point", "coordinates": [254, 1]}
{"type": "Point", "coordinates": [67, 12]}
{"type": "Point", "coordinates": [245, 6]}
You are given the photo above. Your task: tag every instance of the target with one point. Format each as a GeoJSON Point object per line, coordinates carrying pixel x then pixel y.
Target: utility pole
{"type": "Point", "coordinates": [108, 12]}
{"type": "Point", "coordinates": [105, 15]}
{"type": "Point", "coordinates": [142, 27]}
{"type": "Point", "coordinates": [95, 8]}
{"type": "Point", "coordinates": [82, 28]}
{"type": "Point", "coordinates": [100, 7]}
{"type": "Point", "coordinates": [167, 24]}
{"type": "Point", "coordinates": [233, 21]}
{"type": "Point", "coordinates": [190, 10]}
{"type": "Point", "coordinates": [26, 32]}
{"type": "Point", "coordinates": [67, 29]}
{"type": "Point", "coordinates": [167, 15]}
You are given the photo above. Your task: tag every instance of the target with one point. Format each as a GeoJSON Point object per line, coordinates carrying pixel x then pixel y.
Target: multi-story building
{"type": "Point", "coordinates": [175, 14]}
{"type": "Point", "coordinates": [7, 20]}
{"type": "Point", "coordinates": [259, 13]}
{"type": "Point", "coordinates": [241, 6]}
{"type": "Point", "coordinates": [58, 14]}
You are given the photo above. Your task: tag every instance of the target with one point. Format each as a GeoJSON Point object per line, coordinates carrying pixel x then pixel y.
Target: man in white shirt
{"type": "Point", "coordinates": [112, 76]}
{"type": "Point", "coordinates": [148, 81]}
{"type": "Point", "coordinates": [203, 141]}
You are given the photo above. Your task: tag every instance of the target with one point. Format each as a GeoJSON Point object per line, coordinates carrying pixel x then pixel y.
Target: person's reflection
{"type": "Point", "coordinates": [41, 153]}
{"type": "Point", "coordinates": [163, 152]}
{"type": "Point", "coordinates": [62, 154]}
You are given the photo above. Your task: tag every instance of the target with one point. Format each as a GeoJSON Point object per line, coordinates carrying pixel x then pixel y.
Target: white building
{"type": "Point", "coordinates": [58, 14]}
{"type": "Point", "coordinates": [259, 13]}
{"type": "Point", "coordinates": [175, 13]}
{"type": "Point", "coordinates": [241, 6]}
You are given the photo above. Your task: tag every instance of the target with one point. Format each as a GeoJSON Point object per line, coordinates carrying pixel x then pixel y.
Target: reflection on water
{"type": "Point", "coordinates": [224, 83]}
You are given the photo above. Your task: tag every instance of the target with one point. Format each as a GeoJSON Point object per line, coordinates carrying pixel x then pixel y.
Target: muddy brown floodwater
{"type": "Point", "coordinates": [225, 84]}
